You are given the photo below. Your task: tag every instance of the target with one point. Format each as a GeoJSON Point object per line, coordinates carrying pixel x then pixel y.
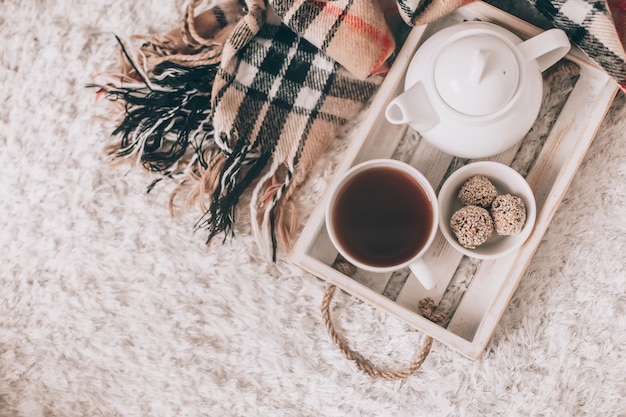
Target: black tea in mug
{"type": "Point", "coordinates": [382, 216]}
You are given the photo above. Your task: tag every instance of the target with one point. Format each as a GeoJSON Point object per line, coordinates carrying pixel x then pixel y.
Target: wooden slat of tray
{"type": "Point", "coordinates": [491, 286]}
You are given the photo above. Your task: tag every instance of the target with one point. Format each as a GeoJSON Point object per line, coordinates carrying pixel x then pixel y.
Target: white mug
{"type": "Point", "coordinates": [382, 216]}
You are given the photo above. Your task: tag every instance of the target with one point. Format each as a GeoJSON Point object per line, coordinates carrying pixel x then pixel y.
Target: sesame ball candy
{"type": "Point", "coordinates": [509, 214]}
{"type": "Point", "coordinates": [477, 191]}
{"type": "Point", "coordinates": [472, 226]}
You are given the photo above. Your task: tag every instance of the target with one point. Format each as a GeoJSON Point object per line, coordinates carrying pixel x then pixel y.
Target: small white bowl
{"type": "Point", "coordinates": [506, 180]}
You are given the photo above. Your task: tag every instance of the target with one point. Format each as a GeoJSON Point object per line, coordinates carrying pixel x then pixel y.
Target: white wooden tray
{"type": "Point", "coordinates": [473, 293]}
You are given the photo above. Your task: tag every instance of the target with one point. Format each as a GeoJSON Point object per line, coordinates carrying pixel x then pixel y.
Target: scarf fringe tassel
{"type": "Point", "coordinates": [167, 127]}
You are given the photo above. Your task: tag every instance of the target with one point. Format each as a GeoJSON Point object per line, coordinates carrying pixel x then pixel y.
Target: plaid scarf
{"type": "Point", "coordinates": [597, 27]}
{"type": "Point", "coordinates": [281, 99]}
{"type": "Point", "coordinates": [249, 96]}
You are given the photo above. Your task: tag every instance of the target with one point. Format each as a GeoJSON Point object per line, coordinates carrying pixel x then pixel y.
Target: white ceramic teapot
{"type": "Point", "coordinates": [474, 89]}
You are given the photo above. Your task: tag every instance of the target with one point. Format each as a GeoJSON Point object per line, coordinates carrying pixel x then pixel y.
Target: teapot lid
{"type": "Point", "coordinates": [477, 74]}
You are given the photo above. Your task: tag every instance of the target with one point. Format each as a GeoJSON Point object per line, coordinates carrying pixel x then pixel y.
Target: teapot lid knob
{"type": "Point", "coordinates": [477, 74]}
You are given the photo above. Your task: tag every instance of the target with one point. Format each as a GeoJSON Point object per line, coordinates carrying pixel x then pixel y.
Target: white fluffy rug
{"type": "Point", "coordinates": [109, 307]}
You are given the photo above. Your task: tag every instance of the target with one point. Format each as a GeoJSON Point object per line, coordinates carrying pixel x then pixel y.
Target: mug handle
{"type": "Point", "coordinates": [423, 273]}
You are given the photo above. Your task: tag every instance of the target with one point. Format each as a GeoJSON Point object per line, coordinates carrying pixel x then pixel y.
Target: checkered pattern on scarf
{"type": "Point", "coordinates": [330, 26]}
{"type": "Point", "coordinates": [279, 102]}
{"type": "Point", "coordinates": [589, 25]}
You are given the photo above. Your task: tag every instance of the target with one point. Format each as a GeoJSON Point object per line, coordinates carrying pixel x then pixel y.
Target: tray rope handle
{"type": "Point", "coordinates": [427, 309]}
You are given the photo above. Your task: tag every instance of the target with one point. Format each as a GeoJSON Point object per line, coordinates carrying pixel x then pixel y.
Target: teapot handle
{"type": "Point", "coordinates": [546, 48]}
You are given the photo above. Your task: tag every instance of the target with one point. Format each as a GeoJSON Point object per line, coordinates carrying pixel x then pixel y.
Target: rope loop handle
{"type": "Point", "coordinates": [364, 364]}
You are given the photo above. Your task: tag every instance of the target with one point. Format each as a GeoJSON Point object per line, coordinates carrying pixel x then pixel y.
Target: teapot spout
{"type": "Point", "coordinates": [546, 48]}
{"type": "Point", "coordinates": [413, 107]}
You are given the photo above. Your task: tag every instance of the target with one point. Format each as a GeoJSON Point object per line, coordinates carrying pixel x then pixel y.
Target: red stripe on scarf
{"type": "Point", "coordinates": [362, 26]}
